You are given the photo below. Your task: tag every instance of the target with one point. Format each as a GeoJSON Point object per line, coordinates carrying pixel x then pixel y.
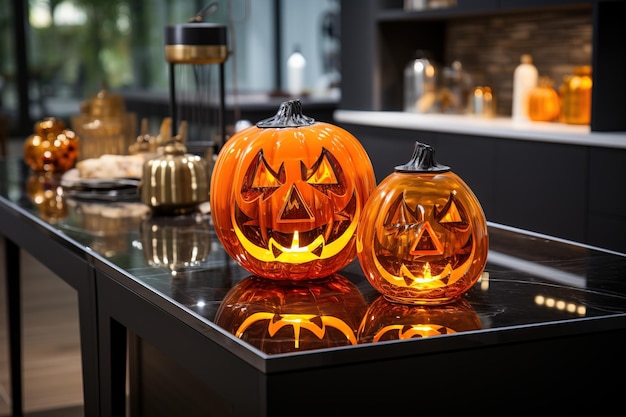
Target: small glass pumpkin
{"type": "Point", "coordinates": [423, 235]}
{"type": "Point", "coordinates": [544, 103]}
{"type": "Point", "coordinates": [385, 321]}
{"type": "Point", "coordinates": [52, 147]}
{"type": "Point", "coordinates": [292, 316]}
{"type": "Point", "coordinates": [287, 194]}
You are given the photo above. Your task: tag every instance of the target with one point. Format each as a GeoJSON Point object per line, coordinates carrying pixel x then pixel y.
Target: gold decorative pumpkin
{"type": "Point", "coordinates": [423, 235]}
{"type": "Point", "coordinates": [287, 195]}
{"type": "Point", "coordinates": [175, 182]}
{"type": "Point", "coordinates": [52, 148]}
{"type": "Point", "coordinates": [291, 316]}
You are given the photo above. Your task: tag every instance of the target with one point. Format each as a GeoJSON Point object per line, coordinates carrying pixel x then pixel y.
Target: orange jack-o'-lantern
{"type": "Point", "coordinates": [287, 195]}
{"type": "Point", "coordinates": [291, 316]}
{"type": "Point", "coordinates": [385, 320]}
{"type": "Point", "coordinates": [423, 235]}
{"type": "Point", "coordinates": [52, 147]}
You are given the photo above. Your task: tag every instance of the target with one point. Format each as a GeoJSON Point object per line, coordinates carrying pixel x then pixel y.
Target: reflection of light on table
{"type": "Point", "coordinates": [483, 281]}
{"type": "Point", "coordinates": [551, 274]}
{"type": "Point", "coordinates": [551, 302]}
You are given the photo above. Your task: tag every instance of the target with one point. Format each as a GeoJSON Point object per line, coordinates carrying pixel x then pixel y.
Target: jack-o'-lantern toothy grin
{"type": "Point", "coordinates": [300, 245]}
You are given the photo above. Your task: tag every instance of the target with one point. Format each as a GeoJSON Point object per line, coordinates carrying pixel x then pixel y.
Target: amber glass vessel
{"type": "Point", "coordinates": [291, 316]}
{"type": "Point", "coordinates": [544, 103]}
{"type": "Point", "coordinates": [386, 321]}
{"type": "Point", "coordinates": [52, 147]}
{"type": "Point", "coordinates": [423, 235]}
{"type": "Point", "coordinates": [104, 125]}
{"type": "Point", "coordinates": [576, 96]}
{"type": "Point", "coordinates": [46, 193]}
{"type": "Point", "coordinates": [287, 195]}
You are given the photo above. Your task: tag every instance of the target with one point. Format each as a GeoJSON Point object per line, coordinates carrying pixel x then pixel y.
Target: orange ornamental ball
{"type": "Point", "coordinates": [287, 195]}
{"type": "Point", "coordinates": [52, 148]}
{"type": "Point", "coordinates": [423, 235]}
{"type": "Point", "coordinates": [293, 316]}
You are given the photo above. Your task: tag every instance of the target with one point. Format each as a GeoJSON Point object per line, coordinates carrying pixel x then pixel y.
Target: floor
{"type": "Point", "coordinates": [52, 379]}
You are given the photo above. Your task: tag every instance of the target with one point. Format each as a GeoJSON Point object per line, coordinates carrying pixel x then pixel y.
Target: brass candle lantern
{"type": "Point", "coordinates": [195, 47]}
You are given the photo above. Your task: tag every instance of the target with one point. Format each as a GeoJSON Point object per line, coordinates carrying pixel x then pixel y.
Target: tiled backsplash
{"type": "Point", "coordinates": [490, 47]}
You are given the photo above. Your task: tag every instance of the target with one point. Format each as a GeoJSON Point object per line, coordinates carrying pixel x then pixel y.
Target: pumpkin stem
{"type": "Point", "coordinates": [423, 160]}
{"type": "Point", "coordinates": [289, 115]}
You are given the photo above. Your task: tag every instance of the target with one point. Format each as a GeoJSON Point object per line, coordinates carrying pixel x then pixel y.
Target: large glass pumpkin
{"type": "Point", "coordinates": [423, 235]}
{"type": "Point", "coordinates": [287, 196]}
{"type": "Point", "coordinates": [386, 321]}
{"type": "Point", "coordinates": [292, 316]}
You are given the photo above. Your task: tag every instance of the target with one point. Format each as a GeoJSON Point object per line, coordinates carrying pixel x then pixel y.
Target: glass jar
{"type": "Point", "coordinates": [576, 96]}
{"type": "Point", "coordinates": [104, 126]}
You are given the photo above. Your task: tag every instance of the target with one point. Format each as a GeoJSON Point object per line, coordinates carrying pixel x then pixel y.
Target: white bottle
{"type": "Point", "coordinates": [524, 80]}
{"type": "Point", "coordinates": [295, 73]}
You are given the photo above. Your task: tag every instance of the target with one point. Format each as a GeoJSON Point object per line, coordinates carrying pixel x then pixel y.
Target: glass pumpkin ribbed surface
{"type": "Point", "coordinates": [287, 195]}
{"type": "Point", "coordinates": [423, 234]}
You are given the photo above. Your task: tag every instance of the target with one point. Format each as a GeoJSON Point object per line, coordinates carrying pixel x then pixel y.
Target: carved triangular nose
{"type": "Point", "coordinates": [426, 243]}
{"type": "Point", "coordinates": [295, 208]}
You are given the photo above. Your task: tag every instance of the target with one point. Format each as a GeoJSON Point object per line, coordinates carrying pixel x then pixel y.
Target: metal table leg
{"type": "Point", "coordinates": [14, 305]}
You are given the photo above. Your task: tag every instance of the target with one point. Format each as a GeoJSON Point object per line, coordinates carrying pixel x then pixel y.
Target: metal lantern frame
{"type": "Point", "coordinates": [197, 43]}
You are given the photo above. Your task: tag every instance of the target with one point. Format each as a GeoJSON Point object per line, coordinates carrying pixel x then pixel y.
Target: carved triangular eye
{"type": "Point", "coordinates": [325, 173]}
{"type": "Point", "coordinates": [452, 215]}
{"type": "Point", "coordinates": [400, 215]}
{"type": "Point", "coordinates": [261, 179]}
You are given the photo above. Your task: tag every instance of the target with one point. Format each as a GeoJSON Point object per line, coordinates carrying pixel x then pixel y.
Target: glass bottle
{"type": "Point", "coordinates": [295, 73]}
{"type": "Point", "coordinates": [524, 80]}
{"type": "Point", "coordinates": [420, 84]}
{"type": "Point", "coordinates": [576, 96]}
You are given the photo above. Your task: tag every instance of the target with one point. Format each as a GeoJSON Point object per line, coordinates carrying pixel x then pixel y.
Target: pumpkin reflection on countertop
{"type": "Point", "coordinates": [289, 316]}
{"type": "Point", "coordinates": [106, 223]}
{"type": "Point", "coordinates": [44, 190]}
{"type": "Point", "coordinates": [423, 235]}
{"type": "Point", "coordinates": [52, 147]}
{"type": "Point", "coordinates": [175, 243]}
{"type": "Point", "coordinates": [287, 195]}
{"type": "Point", "coordinates": [385, 320]}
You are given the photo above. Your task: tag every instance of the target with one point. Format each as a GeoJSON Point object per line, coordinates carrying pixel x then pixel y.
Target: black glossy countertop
{"type": "Point", "coordinates": [533, 285]}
